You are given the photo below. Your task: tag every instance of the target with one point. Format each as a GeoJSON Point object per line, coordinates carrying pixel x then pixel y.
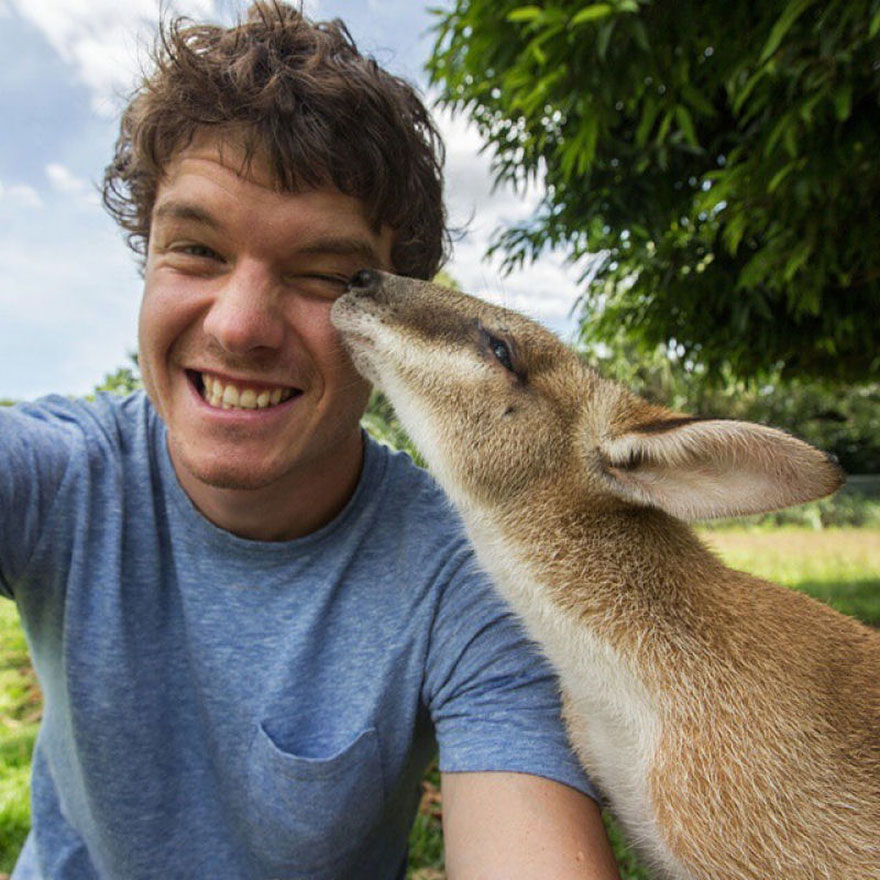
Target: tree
{"type": "Point", "coordinates": [123, 380]}
{"type": "Point", "coordinates": [717, 159]}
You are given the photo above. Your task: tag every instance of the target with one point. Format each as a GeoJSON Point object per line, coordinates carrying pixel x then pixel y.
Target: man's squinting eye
{"type": "Point", "coordinates": [335, 284]}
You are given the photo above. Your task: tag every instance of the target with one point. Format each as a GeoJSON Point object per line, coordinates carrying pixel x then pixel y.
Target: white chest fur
{"type": "Point", "coordinates": [612, 720]}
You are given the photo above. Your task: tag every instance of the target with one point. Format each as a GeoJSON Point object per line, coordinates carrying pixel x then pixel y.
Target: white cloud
{"type": "Point", "coordinates": [63, 179]}
{"type": "Point", "coordinates": [21, 195]}
{"type": "Point", "coordinates": [104, 40]}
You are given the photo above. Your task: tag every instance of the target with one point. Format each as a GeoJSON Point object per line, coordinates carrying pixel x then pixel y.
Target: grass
{"type": "Point", "coordinates": [838, 566]}
{"type": "Point", "coordinates": [841, 567]}
{"type": "Point", "coordinates": [20, 710]}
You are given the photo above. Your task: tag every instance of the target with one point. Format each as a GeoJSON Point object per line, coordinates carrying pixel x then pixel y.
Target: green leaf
{"type": "Point", "coordinates": [525, 13]}
{"type": "Point", "coordinates": [874, 26]}
{"type": "Point", "coordinates": [697, 100]}
{"type": "Point", "coordinates": [780, 176]}
{"type": "Point", "coordinates": [843, 101]}
{"type": "Point", "coordinates": [798, 257]}
{"type": "Point", "coordinates": [606, 29]}
{"type": "Point", "coordinates": [650, 109]}
{"type": "Point", "coordinates": [789, 138]}
{"type": "Point", "coordinates": [686, 123]}
{"type": "Point", "coordinates": [783, 25]}
{"type": "Point", "coordinates": [748, 88]}
{"type": "Point", "coordinates": [640, 35]}
{"type": "Point", "coordinates": [664, 126]}
{"type": "Point", "coordinates": [754, 271]}
{"type": "Point", "coordinates": [783, 124]}
{"type": "Point", "coordinates": [591, 13]}
{"type": "Point", "coordinates": [539, 54]}
{"type": "Point", "coordinates": [733, 232]}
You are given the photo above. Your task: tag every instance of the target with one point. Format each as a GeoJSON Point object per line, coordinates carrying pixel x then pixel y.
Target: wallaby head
{"type": "Point", "coordinates": [499, 405]}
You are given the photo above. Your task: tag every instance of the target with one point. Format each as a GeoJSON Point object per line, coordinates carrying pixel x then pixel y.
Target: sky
{"type": "Point", "coordinates": [69, 286]}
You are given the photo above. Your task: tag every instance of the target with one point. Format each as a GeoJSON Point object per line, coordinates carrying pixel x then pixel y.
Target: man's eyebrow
{"type": "Point", "coordinates": [333, 245]}
{"type": "Point", "coordinates": [176, 210]}
{"type": "Point", "coordinates": [343, 246]}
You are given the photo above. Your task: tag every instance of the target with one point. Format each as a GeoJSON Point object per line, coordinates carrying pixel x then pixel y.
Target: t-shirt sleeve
{"type": "Point", "coordinates": [494, 699]}
{"type": "Point", "coordinates": [36, 445]}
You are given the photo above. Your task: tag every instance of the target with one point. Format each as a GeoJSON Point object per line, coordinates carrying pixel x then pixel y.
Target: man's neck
{"type": "Point", "coordinates": [300, 503]}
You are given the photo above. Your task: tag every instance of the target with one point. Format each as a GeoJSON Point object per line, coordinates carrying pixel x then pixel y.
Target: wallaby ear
{"type": "Point", "coordinates": [707, 468]}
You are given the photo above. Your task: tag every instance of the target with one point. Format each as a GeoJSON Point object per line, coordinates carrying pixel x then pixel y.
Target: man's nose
{"type": "Point", "coordinates": [245, 314]}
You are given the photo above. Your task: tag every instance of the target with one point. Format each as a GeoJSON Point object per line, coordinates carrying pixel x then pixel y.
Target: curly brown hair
{"type": "Point", "coordinates": [308, 103]}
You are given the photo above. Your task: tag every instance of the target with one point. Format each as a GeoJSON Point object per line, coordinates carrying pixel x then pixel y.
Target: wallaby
{"type": "Point", "coordinates": [733, 724]}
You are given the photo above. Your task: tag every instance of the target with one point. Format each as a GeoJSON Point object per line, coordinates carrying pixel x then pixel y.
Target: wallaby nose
{"type": "Point", "coordinates": [365, 280]}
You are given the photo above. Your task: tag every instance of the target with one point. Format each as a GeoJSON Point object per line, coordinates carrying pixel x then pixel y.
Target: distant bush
{"type": "Point", "coordinates": [381, 422]}
{"type": "Point", "coordinates": [843, 509]}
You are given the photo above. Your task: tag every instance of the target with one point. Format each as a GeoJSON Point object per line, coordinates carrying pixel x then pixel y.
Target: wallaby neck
{"type": "Point", "coordinates": [631, 575]}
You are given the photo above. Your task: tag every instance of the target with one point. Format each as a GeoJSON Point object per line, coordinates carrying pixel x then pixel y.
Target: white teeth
{"type": "Point", "coordinates": [232, 397]}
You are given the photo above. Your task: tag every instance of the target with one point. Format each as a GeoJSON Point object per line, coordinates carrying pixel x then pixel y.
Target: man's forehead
{"type": "Point", "coordinates": [211, 183]}
{"type": "Point", "coordinates": [227, 149]}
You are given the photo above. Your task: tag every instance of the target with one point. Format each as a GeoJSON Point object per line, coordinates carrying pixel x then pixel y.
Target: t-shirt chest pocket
{"type": "Point", "coordinates": [307, 816]}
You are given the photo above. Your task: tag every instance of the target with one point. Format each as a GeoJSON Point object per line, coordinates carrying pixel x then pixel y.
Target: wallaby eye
{"type": "Point", "coordinates": [499, 348]}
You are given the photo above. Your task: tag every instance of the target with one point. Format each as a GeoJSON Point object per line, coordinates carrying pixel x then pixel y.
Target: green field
{"type": "Point", "coordinates": [839, 566]}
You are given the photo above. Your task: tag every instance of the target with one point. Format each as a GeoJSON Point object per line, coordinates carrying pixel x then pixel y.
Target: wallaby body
{"type": "Point", "coordinates": [734, 725]}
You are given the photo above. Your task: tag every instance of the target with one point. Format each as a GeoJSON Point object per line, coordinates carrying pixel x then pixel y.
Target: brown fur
{"type": "Point", "coordinates": [754, 710]}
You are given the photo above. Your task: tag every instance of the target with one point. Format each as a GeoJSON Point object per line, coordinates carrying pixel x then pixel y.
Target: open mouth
{"type": "Point", "coordinates": [224, 394]}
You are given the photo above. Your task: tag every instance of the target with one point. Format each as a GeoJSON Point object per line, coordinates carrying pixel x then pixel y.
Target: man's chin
{"type": "Point", "coordinates": [225, 475]}
{"type": "Point", "coordinates": [244, 482]}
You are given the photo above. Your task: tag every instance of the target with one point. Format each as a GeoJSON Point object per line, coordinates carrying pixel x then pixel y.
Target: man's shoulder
{"type": "Point", "coordinates": [105, 414]}
{"type": "Point", "coordinates": [56, 427]}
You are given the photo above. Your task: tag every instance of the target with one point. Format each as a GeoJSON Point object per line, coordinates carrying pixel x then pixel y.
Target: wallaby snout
{"type": "Point", "coordinates": [733, 724]}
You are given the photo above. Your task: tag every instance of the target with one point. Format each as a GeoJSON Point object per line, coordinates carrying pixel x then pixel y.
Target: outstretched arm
{"type": "Point", "coordinates": [515, 826]}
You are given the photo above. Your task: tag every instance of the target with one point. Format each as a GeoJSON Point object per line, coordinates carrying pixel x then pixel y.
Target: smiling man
{"type": "Point", "coordinates": [254, 626]}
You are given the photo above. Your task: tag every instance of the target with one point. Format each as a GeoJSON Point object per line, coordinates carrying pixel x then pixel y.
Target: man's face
{"type": "Point", "coordinates": [236, 347]}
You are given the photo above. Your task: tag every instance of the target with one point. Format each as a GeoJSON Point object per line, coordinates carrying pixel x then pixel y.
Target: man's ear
{"type": "Point", "coordinates": [707, 468]}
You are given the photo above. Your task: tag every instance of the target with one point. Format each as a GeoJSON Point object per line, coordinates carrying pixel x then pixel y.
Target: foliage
{"type": "Point", "coordinates": [844, 509]}
{"type": "Point", "coordinates": [717, 159]}
{"type": "Point", "coordinates": [20, 710]}
{"type": "Point", "coordinates": [123, 380]}
{"type": "Point", "coordinates": [627, 861]}
{"type": "Point", "coordinates": [382, 423]}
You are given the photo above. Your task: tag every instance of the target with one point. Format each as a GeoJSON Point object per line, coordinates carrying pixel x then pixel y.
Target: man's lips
{"type": "Point", "coordinates": [222, 392]}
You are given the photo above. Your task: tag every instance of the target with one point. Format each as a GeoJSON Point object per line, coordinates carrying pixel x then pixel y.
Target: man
{"type": "Point", "coordinates": [251, 624]}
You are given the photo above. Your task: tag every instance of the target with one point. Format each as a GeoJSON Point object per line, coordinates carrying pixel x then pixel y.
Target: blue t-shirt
{"type": "Point", "coordinates": [217, 707]}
